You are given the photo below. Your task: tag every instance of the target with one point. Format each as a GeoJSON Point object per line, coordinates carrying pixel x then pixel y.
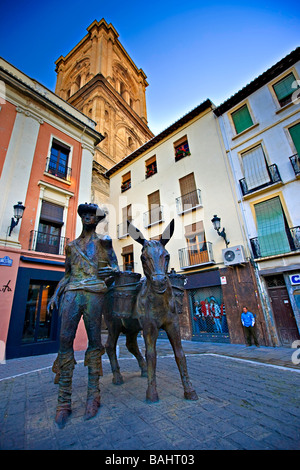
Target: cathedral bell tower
{"type": "Point", "coordinates": [99, 78]}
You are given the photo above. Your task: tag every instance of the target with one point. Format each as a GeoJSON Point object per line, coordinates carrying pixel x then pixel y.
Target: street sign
{"type": "Point", "coordinates": [295, 279]}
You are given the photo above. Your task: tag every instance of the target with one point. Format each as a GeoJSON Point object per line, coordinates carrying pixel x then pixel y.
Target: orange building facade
{"type": "Point", "coordinates": [46, 160]}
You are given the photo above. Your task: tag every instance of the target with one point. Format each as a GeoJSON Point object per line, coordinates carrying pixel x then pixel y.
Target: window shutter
{"type": "Point", "coordinates": [187, 184]}
{"type": "Point", "coordinates": [295, 134]}
{"type": "Point", "coordinates": [255, 168]}
{"type": "Point", "coordinates": [271, 227]}
{"type": "Point", "coordinates": [242, 119]}
{"type": "Point", "coordinates": [153, 200]}
{"type": "Point", "coordinates": [52, 213]}
{"type": "Point", "coordinates": [194, 229]}
{"type": "Point", "coordinates": [284, 87]}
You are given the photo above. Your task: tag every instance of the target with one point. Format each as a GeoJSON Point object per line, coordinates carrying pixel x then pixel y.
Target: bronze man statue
{"type": "Point", "coordinates": [89, 262]}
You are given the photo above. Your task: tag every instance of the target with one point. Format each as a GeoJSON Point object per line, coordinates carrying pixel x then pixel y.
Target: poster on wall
{"type": "Point", "coordinates": [208, 311]}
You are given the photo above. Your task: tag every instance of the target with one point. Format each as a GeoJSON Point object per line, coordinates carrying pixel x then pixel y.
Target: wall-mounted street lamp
{"type": "Point", "coordinates": [18, 214]}
{"type": "Point", "coordinates": [216, 221]}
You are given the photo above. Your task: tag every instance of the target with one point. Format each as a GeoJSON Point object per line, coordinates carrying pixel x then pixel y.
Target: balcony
{"type": "Point", "coordinates": [295, 162]}
{"type": "Point", "coordinates": [58, 170]}
{"type": "Point", "coordinates": [47, 243]}
{"type": "Point", "coordinates": [122, 230]}
{"type": "Point", "coordinates": [153, 217]}
{"type": "Point", "coordinates": [188, 201]}
{"type": "Point", "coordinates": [269, 247]}
{"type": "Point", "coordinates": [196, 255]}
{"type": "Point", "coordinates": [274, 177]}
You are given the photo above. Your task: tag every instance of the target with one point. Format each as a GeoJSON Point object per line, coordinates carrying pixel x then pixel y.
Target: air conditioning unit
{"type": "Point", "coordinates": [233, 255]}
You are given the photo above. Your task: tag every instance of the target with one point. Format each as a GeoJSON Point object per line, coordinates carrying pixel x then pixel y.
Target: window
{"type": "Point", "coordinates": [151, 166]}
{"type": "Point", "coordinates": [126, 216]}
{"type": "Point", "coordinates": [39, 325]}
{"type": "Point", "coordinates": [272, 229]}
{"type": "Point", "coordinates": [126, 182]}
{"type": "Point", "coordinates": [257, 173]}
{"type": "Point", "coordinates": [189, 194]}
{"type": "Point", "coordinates": [130, 142]}
{"type": "Point", "coordinates": [196, 242]}
{"type": "Point", "coordinates": [198, 251]}
{"type": "Point", "coordinates": [295, 135]}
{"type": "Point", "coordinates": [295, 159]}
{"type": "Point", "coordinates": [154, 215]}
{"type": "Point", "coordinates": [181, 148]}
{"type": "Point", "coordinates": [284, 90]}
{"type": "Point", "coordinates": [127, 253]}
{"type": "Point", "coordinates": [58, 161]}
{"type": "Point", "coordinates": [242, 119]}
{"type": "Point", "coordinates": [47, 238]}
{"type": "Point", "coordinates": [255, 168]}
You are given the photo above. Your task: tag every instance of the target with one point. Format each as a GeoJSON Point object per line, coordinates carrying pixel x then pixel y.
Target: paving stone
{"type": "Point", "coordinates": [241, 405]}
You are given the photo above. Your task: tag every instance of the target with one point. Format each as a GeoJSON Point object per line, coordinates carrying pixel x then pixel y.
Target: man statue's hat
{"type": "Point", "coordinates": [91, 209]}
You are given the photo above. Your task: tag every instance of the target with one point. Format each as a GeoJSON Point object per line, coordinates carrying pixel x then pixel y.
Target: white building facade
{"type": "Point", "coordinates": [261, 130]}
{"type": "Point", "coordinates": [183, 173]}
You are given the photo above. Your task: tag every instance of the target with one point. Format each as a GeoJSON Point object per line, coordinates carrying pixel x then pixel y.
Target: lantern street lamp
{"type": "Point", "coordinates": [216, 221]}
{"type": "Point", "coordinates": [18, 214]}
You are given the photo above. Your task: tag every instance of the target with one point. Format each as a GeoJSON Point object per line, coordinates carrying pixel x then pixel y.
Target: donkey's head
{"type": "Point", "coordinates": [155, 258]}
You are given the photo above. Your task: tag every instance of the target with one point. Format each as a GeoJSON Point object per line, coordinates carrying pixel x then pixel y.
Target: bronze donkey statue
{"type": "Point", "coordinates": [155, 308]}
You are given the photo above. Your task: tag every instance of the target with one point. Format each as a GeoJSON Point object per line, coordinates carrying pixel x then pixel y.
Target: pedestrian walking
{"type": "Point", "coordinates": [248, 322]}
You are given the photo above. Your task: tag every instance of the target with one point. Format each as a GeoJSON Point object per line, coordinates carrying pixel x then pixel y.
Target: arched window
{"type": "Point", "coordinates": [130, 142]}
{"type": "Point", "coordinates": [78, 80]}
{"type": "Point", "coordinates": [122, 89]}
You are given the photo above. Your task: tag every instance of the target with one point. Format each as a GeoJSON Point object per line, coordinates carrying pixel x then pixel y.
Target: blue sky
{"type": "Point", "coordinates": [190, 50]}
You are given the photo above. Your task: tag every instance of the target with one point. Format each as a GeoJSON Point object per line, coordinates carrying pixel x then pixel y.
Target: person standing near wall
{"type": "Point", "coordinates": [248, 322]}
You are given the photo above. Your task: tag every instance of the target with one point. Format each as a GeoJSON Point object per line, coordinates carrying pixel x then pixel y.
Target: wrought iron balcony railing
{"type": "Point", "coordinates": [295, 161]}
{"type": "Point", "coordinates": [196, 255]}
{"type": "Point", "coordinates": [274, 176]}
{"type": "Point", "coordinates": [154, 216]}
{"type": "Point", "coordinates": [60, 171]}
{"type": "Point", "coordinates": [188, 201]}
{"type": "Point", "coordinates": [270, 248]}
{"type": "Point", "coordinates": [47, 243]}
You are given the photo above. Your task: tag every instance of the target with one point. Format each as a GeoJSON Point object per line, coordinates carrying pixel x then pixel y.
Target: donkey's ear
{"type": "Point", "coordinates": [135, 233]}
{"type": "Point", "coordinates": [167, 233]}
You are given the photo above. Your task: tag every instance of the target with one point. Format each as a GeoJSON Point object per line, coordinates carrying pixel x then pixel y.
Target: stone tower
{"type": "Point", "coordinates": [100, 79]}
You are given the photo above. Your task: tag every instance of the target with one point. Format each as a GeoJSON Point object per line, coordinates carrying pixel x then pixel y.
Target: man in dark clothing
{"type": "Point", "coordinates": [248, 322]}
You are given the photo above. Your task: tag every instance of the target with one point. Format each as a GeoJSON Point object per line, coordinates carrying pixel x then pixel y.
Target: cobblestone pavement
{"type": "Point", "coordinates": [248, 399]}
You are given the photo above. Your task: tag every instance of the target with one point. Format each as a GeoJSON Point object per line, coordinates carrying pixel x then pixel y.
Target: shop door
{"type": "Point", "coordinates": [284, 315]}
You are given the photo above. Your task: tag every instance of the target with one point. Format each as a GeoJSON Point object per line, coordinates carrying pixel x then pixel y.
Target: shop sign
{"type": "Point", "coordinates": [295, 279]}
{"type": "Point", "coordinates": [223, 280]}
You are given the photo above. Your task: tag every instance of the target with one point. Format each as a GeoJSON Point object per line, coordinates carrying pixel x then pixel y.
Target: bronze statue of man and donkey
{"type": "Point", "coordinates": [94, 286]}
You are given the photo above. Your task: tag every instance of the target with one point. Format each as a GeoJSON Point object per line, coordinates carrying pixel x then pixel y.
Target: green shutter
{"type": "Point", "coordinates": [295, 134]}
{"type": "Point", "coordinates": [284, 88]}
{"type": "Point", "coordinates": [242, 119]}
{"type": "Point", "coordinates": [271, 230]}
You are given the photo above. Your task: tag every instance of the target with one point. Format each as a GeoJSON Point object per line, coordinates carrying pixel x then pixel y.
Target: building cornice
{"type": "Point", "coordinates": [207, 104]}
{"type": "Point", "coordinates": [258, 82]}
{"type": "Point", "coordinates": [44, 99]}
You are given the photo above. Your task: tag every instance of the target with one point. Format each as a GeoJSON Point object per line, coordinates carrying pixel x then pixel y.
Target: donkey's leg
{"type": "Point", "coordinates": [132, 346]}
{"type": "Point", "coordinates": [172, 330]}
{"type": "Point", "coordinates": [114, 330]}
{"type": "Point", "coordinates": [150, 337]}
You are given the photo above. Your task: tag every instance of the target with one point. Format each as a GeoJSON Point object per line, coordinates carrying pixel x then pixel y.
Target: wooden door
{"type": "Point", "coordinates": [284, 315]}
